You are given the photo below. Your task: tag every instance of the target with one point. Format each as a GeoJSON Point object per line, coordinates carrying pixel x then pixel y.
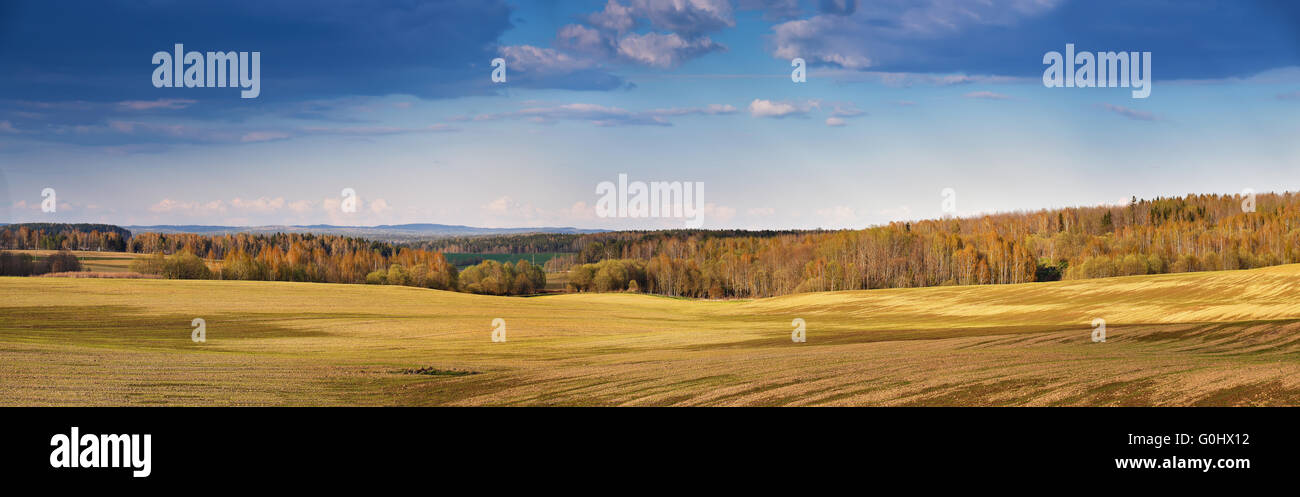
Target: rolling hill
{"type": "Point", "coordinates": [1210, 338]}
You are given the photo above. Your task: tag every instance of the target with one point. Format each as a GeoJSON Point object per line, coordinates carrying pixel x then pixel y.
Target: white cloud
{"type": "Point", "coordinates": [718, 214]}
{"type": "Point", "coordinates": [609, 35]}
{"type": "Point", "coordinates": [583, 39]}
{"type": "Point", "coordinates": [768, 108]}
{"type": "Point", "coordinates": [837, 216]}
{"type": "Point", "coordinates": [501, 205]}
{"type": "Point", "coordinates": [615, 17]}
{"type": "Point", "coordinates": [689, 17]}
{"type": "Point", "coordinates": [542, 61]}
{"type": "Point", "coordinates": [663, 50]}
{"type": "Point", "coordinates": [900, 213]}
{"type": "Point", "coordinates": [301, 206]}
{"type": "Point", "coordinates": [581, 210]}
{"type": "Point", "coordinates": [168, 205]}
{"type": "Point", "coordinates": [260, 205]}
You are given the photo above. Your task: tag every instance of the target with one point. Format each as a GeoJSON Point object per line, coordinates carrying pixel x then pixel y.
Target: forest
{"type": "Point", "coordinates": [15, 264]}
{"type": "Point", "coordinates": [55, 236]}
{"type": "Point", "coordinates": [1162, 235]}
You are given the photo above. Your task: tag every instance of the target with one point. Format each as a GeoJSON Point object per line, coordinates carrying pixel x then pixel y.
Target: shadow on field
{"type": "Point", "coordinates": [128, 326]}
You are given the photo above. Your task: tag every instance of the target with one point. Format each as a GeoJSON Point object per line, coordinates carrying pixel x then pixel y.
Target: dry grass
{"type": "Point", "coordinates": [99, 274]}
{"type": "Point", "coordinates": [1221, 338]}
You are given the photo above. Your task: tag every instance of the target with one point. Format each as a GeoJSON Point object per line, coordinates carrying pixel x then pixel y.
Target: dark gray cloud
{"type": "Point", "coordinates": [310, 49]}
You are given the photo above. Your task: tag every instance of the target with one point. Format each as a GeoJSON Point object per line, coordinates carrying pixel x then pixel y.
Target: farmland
{"type": "Point", "coordinates": [1209, 338]}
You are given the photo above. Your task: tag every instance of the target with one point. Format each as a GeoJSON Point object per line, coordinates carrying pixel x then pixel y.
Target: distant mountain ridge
{"type": "Point", "coordinates": [381, 232]}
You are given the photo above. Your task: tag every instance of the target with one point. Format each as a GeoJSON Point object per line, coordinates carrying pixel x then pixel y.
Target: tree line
{"type": "Point", "coordinates": [15, 264]}
{"type": "Point", "coordinates": [58, 236]}
{"type": "Point", "coordinates": [1163, 235]}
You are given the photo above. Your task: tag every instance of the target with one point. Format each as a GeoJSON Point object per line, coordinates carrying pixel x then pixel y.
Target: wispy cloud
{"type": "Point", "coordinates": [843, 111]}
{"type": "Point", "coordinates": [987, 95]}
{"type": "Point", "coordinates": [1129, 113]}
{"type": "Point", "coordinates": [162, 103]}
{"type": "Point", "coordinates": [376, 130]}
{"type": "Point", "coordinates": [601, 115]}
{"type": "Point", "coordinates": [263, 136]}
{"type": "Point", "coordinates": [859, 36]}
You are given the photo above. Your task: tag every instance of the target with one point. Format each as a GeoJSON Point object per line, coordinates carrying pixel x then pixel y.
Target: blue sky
{"type": "Point", "coordinates": [395, 100]}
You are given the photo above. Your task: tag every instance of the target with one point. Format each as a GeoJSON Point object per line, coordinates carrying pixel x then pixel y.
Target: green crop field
{"type": "Point", "coordinates": [1214, 338]}
{"type": "Point", "coordinates": [462, 260]}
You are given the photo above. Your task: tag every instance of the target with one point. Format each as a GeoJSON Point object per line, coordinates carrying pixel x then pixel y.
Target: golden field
{"type": "Point", "coordinates": [1215, 338]}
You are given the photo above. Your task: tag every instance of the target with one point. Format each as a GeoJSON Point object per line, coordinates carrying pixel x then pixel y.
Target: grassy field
{"type": "Point", "coordinates": [1218, 338]}
{"type": "Point", "coordinates": [463, 260]}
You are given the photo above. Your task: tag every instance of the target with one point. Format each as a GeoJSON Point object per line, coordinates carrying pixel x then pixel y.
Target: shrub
{"type": "Point", "coordinates": [185, 266]}
{"type": "Point", "coordinates": [151, 264]}
{"type": "Point", "coordinates": [12, 264]}
{"type": "Point", "coordinates": [243, 267]}
{"type": "Point", "coordinates": [397, 275]}
{"type": "Point", "coordinates": [62, 262]}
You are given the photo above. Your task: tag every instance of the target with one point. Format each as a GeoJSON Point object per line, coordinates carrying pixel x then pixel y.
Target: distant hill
{"type": "Point", "coordinates": [387, 232]}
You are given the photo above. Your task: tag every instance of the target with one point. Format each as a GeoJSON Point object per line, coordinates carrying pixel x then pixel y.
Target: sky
{"type": "Point", "coordinates": [396, 101]}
